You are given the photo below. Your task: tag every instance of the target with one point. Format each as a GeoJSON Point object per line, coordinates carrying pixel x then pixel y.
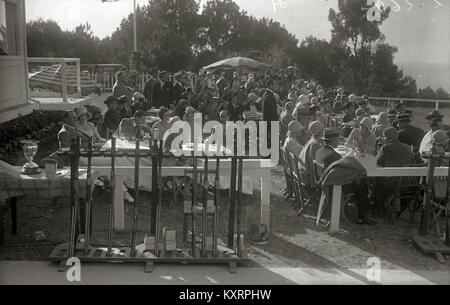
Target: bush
{"type": "Point", "coordinates": [42, 126]}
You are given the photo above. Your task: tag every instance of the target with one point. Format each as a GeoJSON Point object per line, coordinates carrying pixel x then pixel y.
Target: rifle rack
{"type": "Point", "coordinates": [81, 248]}
{"type": "Point", "coordinates": [430, 244]}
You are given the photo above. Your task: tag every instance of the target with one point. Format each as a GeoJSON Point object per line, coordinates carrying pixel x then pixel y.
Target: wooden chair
{"type": "Point", "coordinates": [408, 189]}
{"type": "Point", "coordinates": [288, 174]}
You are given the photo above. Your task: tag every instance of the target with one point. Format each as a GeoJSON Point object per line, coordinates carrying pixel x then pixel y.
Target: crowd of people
{"type": "Point", "coordinates": [313, 120]}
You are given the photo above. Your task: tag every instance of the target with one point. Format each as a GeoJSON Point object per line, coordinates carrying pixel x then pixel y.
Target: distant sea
{"type": "Point", "coordinates": [433, 75]}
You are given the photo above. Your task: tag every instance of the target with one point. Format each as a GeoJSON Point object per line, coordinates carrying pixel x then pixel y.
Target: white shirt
{"type": "Point", "coordinates": [425, 145]}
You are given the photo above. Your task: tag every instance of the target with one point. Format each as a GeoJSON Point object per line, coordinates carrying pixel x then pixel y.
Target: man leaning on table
{"type": "Point", "coordinates": [128, 127]}
{"type": "Point", "coordinates": [327, 155]}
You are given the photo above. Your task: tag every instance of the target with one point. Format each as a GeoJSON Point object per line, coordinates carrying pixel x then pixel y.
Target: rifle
{"type": "Point", "coordinates": [205, 208]}
{"type": "Point", "coordinates": [136, 193]}
{"type": "Point", "coordinates": [88, 198]}
{"type": "Point", "coordinates": [75, 155]}
{"type": "Point", "coordinates": [113, 187]}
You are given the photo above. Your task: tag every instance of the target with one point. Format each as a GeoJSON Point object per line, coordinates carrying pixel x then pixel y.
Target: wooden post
{"type": "Point", "coordinates": [78, 64]}
{"type": "Point", "coordinates": [64, 82]}
{"type": "Point", "coordinates": [423, 228]}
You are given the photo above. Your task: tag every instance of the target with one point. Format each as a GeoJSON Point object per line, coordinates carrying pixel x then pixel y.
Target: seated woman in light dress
{"type": "Point", "coordinates": [87, 127]}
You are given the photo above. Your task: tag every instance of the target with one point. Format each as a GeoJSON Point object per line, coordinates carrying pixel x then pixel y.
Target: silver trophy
{"type": "Point", "coordinates": [30, 149]}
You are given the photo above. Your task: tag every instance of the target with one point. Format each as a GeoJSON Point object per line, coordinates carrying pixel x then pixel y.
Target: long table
{"type": "Point", "coordinates": [378, 172]}
{"type": "Point", "coordinates": [251, 168]}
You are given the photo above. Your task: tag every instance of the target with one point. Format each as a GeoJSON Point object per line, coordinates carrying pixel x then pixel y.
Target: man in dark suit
{"type": "Point", "coordinates": [162, 91]}
{"type": "Point", "coordinates": [395, 154]}
{"type": "Point", "coordinates": [409, 134]}
{"type": "Point", "coordinates": [128, 127]}
{"type": "Point", "coordinates": [327, 156]}
{"type": "Point", "coordinates": [120, 89]}
{"type": "Point", "coordinates": [112, 117]}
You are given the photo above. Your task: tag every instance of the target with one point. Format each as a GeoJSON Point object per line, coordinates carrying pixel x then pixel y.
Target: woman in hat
{"type": "Point", "coordinates": [381, 124]}
{"type": "Point", "coordinates": [159, 128]}
{"type": "Point", "coordinates": [85, 126]}
{"type": "Point", "coordinates": [362, 138]}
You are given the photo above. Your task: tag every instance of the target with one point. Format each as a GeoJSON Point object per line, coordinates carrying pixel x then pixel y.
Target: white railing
{"type": "Point", "coordinates": [108, 79]}
{"type": "Point", "coordinates": [389, 100]}
{"type": "Point", "coordinates": [63, 62]}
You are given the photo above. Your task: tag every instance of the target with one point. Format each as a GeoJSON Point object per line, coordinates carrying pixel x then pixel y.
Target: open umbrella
{"type": "Point", "coordinates": [236, 63]}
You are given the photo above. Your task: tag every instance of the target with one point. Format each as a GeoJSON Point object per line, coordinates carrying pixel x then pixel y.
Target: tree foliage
{"type": "Point", "coordinates": [174, 35]}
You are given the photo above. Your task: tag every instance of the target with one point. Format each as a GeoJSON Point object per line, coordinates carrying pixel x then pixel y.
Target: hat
{"type": "Point", "coordinates": [330, 134]}
{"type": "Point", "coordinates": [110, 99]}
{"type": "Point", "coordinates": [367, 122]}
{"type": "Point", "coordinates": [79, 111]}
{"type": "Point", "coordinates": [352, 98]}
{"type": "Point", "coordinates": [440, 137]}
{"type": "Point", "coordinates": [362, 102]}
{"type": "Point", "coordinates": [382, 118]}
{"type": "Point", "coordinates": [402, 117]}
{"type": "Point", "coordinates": [348, 120]}
{"type": "Point", "coordinates": [122, 99]}
{"type": "Point", "coordinates": [316, 128]}
{"type": "Point", "coordinates": [435, 114]}
{"type": "Point", "coordinates": [392, 112]}
{"type": "Point", "coordinates": [138, 96]}
{"type": "Point", "coordinates": [360, 112]}
{"type": "Point", "coordinates": [391, 133]}
{"type": "Point", "coordinates": [295, 126]}
{"type": "Point", "coordinates": [300, 111]}
{"type": "Point", "coordinates": [303, 100]}
{"type": "Point", "coordinates": [289, 105]}
{"type": "Point", "coordinates": [252, 97]}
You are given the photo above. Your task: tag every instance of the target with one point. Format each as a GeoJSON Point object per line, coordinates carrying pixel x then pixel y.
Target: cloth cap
{"type": "Point", "coordinates": [315, 128]}
{"type": "Point", "coordinates": [330, 134]}
{"type": "Point", "coordinates": [391, 133]}
{"type": "Point", "coordinates": [367, 122]}
{"type": "Point", "coordinates": [382, 118]}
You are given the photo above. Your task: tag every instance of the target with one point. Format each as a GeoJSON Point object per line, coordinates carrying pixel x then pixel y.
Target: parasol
{"type": "Point", "coordinates": [236, 63]}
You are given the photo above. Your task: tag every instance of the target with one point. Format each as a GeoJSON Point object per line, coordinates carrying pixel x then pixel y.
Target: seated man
{"type": "Point", "coordinates": [395, 154]}
{"type": "Point", "coordinates": [327, 155]}
{"type": "Point", "coordinates": [308, 153]}
{"type": "Point", "coordinates": [292, 143]}
{"type": "Point", "coordinates": [409, 134]}
{"type": "Point", "coordinates": [128, 126]}
{"type": "Point", "coordinates": [435, 122]}
{"type": "Point", "coordinates": [362, 138]}
{"type": "Point", "coordinates": [69, 132]}
{"type": "Point", "coordinates": [66, 135]}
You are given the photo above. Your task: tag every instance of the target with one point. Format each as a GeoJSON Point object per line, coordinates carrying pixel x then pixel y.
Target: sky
{"type": "Point", "coordinates": [421, 31]}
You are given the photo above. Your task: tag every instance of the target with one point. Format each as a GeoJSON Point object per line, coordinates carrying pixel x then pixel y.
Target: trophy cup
{"type": "Point", "coordinates": [30, 149]}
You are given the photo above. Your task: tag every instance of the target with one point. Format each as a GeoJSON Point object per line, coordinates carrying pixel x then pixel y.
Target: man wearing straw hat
{"type": "Point", "coordinates": [435, 122]}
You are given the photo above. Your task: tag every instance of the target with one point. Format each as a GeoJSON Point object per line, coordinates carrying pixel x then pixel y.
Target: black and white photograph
{"type": "Point", "coordinates": [224, 149]}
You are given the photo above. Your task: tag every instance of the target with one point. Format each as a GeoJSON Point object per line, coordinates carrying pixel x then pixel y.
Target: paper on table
{"type": "Point", "coordinates": [9, 169]}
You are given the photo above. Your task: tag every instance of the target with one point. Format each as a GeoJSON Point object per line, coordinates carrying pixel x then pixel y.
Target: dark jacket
{"type": "Point", "coordinates": [162, 96]}
{"type": "Point", "coordinates": [411, 135]}
{"type": "Point", "coordinates": [327, 155]}
{"type": "Point", "coordinates": [112, 119]}
{"type": "Point", "coordinates": [395, 154]}
{"type": "Point", "coordinates": [343, 171]}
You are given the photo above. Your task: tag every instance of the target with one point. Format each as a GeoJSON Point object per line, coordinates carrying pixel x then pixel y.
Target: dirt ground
{"type": "Point", "coordinates": [384, 240]}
